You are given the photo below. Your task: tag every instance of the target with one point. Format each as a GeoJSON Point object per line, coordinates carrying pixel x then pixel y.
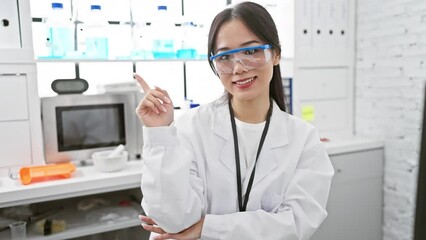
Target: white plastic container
{"type": "Point", "coordinates": [142, 41]}
{"type": "Point", "coordinates": [60, 32]}
{"type": "Point", "coordinates": [103, 162]}
{"type": "Point", "coordinates": [201, 37]}
{"type": "Point", "coordinates": [188, 41]}
{"type": "Point", "coordinates": [96, 29]}
{"type": "Point", "coordinates": [163, 34]}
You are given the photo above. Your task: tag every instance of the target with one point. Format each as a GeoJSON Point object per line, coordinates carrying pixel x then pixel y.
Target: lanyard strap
{"type": "Point", "coordinates": [242, 205]}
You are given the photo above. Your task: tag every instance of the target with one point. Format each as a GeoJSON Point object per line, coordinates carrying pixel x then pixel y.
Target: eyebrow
{"type": "Point", "coordinates": [242, 45]}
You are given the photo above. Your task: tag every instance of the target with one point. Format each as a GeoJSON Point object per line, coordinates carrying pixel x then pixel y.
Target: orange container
{"type": "Point", "coordinates": [46, 172]}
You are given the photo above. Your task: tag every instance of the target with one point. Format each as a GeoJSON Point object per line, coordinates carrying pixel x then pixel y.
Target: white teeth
{"type": "Point", "coordinates": [245, 81]}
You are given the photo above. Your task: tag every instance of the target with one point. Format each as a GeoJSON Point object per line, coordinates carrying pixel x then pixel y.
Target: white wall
{"type": "Point", "coordinates": [390, 78]}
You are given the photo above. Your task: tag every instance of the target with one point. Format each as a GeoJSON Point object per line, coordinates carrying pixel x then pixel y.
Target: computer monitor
{"type": "Point", "coordinates": [420, 214]}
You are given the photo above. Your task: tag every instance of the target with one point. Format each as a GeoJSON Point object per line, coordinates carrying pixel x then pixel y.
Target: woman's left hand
{"type": "Point", "coordinates": [191, 233]}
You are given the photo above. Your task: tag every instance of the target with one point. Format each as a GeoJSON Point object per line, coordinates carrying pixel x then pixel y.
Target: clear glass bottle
{"type": "Point", "coordinates": [142, 41]}
{"type": "Point", "coordinates": [163, 34]}
{"type": "Point", "coordinates": [187, 46]}
{"type": "Point", "coordinates": [201, 41]}
{"type": "Point", "coordinates": [96, 29]}
{"type": "Point", "coordinates": [60, 32]}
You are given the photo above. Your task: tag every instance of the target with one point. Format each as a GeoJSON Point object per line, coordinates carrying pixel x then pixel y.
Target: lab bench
{"type": "Point", "coordinates": [85, 181]}
{"type": "Point", "coordinates": [354, 206]}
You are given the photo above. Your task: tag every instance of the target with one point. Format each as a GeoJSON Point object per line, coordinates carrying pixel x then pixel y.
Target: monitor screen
{"type": "Point", "coordinates": [420, 216]}
{"type": "Point", "coordinates": [90, 126]}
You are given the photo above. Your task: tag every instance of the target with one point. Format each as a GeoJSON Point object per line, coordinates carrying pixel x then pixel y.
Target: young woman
{"type": "Point", "coordinates": [239, 167]}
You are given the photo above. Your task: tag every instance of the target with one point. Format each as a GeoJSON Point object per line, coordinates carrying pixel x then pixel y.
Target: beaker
{"type": "Point", "coordinates": [18, 230]}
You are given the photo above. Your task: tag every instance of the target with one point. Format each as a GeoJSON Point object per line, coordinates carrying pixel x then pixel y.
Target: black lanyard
{"type": "Point", "coordinates": [242, 205]}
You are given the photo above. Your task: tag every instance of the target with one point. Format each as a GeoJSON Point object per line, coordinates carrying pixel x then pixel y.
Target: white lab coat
{"type": "Point", "coordinates": [189, 171]}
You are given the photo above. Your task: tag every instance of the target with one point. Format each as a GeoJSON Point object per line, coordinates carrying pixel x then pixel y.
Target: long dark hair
{"type": "Point", "coordinates": [258, 21]}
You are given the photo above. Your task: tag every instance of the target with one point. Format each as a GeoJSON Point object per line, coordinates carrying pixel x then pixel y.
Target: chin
{"type": "Point", "coordinates": [245, 96]}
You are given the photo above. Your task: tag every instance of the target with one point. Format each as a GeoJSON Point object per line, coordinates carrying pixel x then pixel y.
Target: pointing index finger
{"type": "Point", "coordinates": [142, 82]}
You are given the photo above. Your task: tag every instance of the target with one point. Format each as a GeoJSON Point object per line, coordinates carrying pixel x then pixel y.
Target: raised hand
{"type": "Point", "coordinates": [156, 108]}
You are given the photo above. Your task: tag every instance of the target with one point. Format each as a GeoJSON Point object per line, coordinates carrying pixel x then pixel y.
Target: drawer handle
{"type": "Point", "coordinates": [5, 22]}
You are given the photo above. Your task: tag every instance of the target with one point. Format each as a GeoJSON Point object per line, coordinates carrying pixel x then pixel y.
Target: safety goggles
{"type": "Point", "coordinates": [249, 57]}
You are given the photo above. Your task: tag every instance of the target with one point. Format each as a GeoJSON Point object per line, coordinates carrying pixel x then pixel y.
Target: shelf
{"type": "Point", "coordinates": [130, 60]}
{"type": "Point", "coordinates": [117, 60]}
{"type": "Point", "coordinates": [89, 230]}
{"type": "Point", "coordinates": [80, 231]}
{"type": "Point", "coordinates": [84, 181]}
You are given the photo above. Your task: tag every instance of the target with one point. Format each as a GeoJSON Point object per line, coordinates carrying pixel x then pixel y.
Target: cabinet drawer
{"type": "Point", "coordinates": [9, 25]}
{"type": "Point", "coordinates": [327, 114]}
{"type": "Point", "coordinates": [357, 166]}
{"type": "Point", "coordinates": [13, 98]}
{"type": "Point", "coordinates": [15, 144]}
{"type": "Point", "coordinates": [324, 83]}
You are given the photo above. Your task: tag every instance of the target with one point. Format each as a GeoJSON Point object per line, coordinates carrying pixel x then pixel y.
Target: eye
{"type": "Point", "coordinates": [250, 51]}
{"type": "Point", "coordinates": [224, 58]}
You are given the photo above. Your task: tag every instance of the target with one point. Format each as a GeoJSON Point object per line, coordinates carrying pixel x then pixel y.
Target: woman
{"type": "Point", "coordinates": [239, 167]}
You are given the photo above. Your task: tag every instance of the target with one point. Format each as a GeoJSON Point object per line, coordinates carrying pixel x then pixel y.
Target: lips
{"type": "Point", "coordinates": [244, 81]}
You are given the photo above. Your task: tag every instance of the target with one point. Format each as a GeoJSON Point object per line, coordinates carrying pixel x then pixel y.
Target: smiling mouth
{"type": "Point", "coordinates": [246, 81]}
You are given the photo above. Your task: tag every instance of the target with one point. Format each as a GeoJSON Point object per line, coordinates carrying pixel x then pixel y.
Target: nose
{"type": "Point", "coordinates": [239, 66]}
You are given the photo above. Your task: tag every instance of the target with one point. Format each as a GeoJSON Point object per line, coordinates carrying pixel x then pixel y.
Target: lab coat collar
{"type": "Point", "coordinates": [276, 138]}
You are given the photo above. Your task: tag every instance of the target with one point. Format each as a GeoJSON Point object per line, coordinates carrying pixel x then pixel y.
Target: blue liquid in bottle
{"type": "Point", "coordinates": [62, 42]}
{"type": "Point", "coordinates": [61, 32]}
{"type": "Point", "coordinates": [163, 48]}
{"type": "Point", "coordinates": [190, 53]}
{"type": "Point", "coordinates": [162, 30]}
{"type": "Point", "coordinates": [96, 38]}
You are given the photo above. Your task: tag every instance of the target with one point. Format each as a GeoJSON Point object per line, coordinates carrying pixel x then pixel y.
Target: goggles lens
{"type": "Point", "coordinates": [249, 57]}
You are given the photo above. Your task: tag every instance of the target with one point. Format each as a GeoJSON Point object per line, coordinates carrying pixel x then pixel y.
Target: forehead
{"type": "Point", "coordinates": [234, 34]}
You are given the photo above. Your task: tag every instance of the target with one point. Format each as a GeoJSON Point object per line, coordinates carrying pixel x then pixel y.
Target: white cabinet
{"type": "Point", "coordinates": [324, 61]}
{"type": "Point", "coordinates": [15, 32]}
{"type": "Point", "coordinates": [13, 98]}
{"type": "Point", "coordinates": [9, 25]}
{"type": "Point", "coordinates": [319, 84]}
{"type": "Point", "coordinates": [15, 144]}
{"type": "Point", "coordinates": [329, 115]}
{"type": "Point", "coordinates": [355, 204]}
{"type": "Point", "coordinates": [20, 119]}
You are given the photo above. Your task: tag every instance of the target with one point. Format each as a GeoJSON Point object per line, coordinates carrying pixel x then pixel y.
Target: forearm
{"type": "Point", "coordinates": [169, 197]}
{"type": "Point", "coordinates": [260, 225]}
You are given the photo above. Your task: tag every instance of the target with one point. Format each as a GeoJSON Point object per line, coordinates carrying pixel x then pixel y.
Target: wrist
{"type": "Point", "coordinates": [200, 225]}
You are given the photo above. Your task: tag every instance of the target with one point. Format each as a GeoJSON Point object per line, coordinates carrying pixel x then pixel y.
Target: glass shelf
{"type": "Point", "coordinates": [117, 60]}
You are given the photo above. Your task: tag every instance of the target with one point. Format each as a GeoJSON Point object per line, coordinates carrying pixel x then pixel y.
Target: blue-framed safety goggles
{"type": "Point", "coordinates": [249, 57]}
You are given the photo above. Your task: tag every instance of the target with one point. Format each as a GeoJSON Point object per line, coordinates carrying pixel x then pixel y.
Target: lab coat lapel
{"type": "Point", "coordinates": [222, 128]}
{"type": "Point", "coordinates": [276, 139]}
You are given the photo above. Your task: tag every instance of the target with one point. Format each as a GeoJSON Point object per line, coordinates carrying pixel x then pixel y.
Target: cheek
{"type": "Point", "coordinates": [267, 72]}
{"type": "Point", "coordinates": [225, 80]}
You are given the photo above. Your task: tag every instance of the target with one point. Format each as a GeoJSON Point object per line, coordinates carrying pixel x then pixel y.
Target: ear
{"type": "Point", "coordinates": [277, 58]}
